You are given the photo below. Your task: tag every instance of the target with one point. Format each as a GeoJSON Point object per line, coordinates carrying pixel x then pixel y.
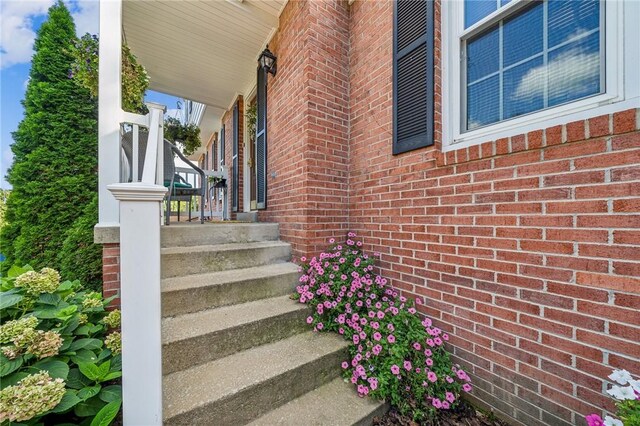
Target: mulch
{"type": "Point", "coordinates": [464, 415]}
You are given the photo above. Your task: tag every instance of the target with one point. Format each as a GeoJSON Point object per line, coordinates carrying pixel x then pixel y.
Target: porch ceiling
{"type": "Point", "coordinates": [205, 51]}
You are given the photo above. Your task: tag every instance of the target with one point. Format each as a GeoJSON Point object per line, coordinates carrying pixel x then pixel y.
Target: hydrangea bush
{"type": "Point", "coordinates": [59, 353]}
{"type": "Point", "coordinates": [395, 355]}
{"type": "Point", "coordinates": [626, 392]}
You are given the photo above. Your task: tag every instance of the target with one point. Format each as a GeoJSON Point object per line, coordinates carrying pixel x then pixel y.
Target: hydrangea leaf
{"type": "Point", "coordinates": [76, 380]}
{"type": "Point", "coordinates": [89, 392]}
{"type": "Point", "coordinates": [8, 366]}
{"type": "Point", "coordinates": [88, 343]}
{"type": "Point", "coordinates": [12, 379]}
{"type": "Point", "coordinates": [106, 415]}
{"type": "Point", "coordinates": [84, 356]}
{"type": "Point", "coordinates": [9, 300]}
{"type": "Point", "coordinates": [90, 407]}
{"type": "Point", "coordinates": [68, 401]}
{"type": "Point", "coordinates": [111, 393]}
{"type": "Point", "coordinates": [57, 369]}
{"type": "Point", "coordinates": [91, 371]}
{"type": "Point", "coordinates": [49, 299]}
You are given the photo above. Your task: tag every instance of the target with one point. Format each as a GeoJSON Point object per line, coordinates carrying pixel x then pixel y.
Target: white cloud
{"type": "Point", "coordinates": [16, 25]}
{"type": "Point", "coordinates": [570, 72]}
{"type": "Point", "coordinates": [86, 14]}
{"type": "Point", "coordinates": [16, 29]}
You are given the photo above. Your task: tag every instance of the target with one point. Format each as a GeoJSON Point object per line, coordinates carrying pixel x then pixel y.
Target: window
{"type": "Point", "coordinates": [413, 71]}
{"type": "Point", "coordinates": [511, 66]}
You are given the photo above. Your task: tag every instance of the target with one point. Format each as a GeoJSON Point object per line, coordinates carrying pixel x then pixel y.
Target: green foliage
{"type": "Point", "coordinates": [3, 204]}
{"type": "Point", "coordinates": [55, 366]}
{"type": "Point", "coordinates": [55, 152]}
{"type": "Point", "coordinates": [187, 135]}
{"type": "Point", "coordinates": [81, 259]}
{"type": "Point", "coordinates": [84, 70]}
{"type": "Point", "coordinates": [395, 355]}
{"type": "Point", "coordinates": [252, 118]}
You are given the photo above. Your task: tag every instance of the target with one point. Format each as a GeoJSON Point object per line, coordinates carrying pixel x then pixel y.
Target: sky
{"type": "Point", "coordinates": [19, 21]}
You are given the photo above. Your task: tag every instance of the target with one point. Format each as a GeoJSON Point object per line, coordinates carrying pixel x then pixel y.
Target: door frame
{"type": "Point", "coordinates": [246, 190]}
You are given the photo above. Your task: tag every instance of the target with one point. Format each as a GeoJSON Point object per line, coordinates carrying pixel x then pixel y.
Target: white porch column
{"type": "Point", "coordinates": [109, 109]}
{"type": "Point", "coordinates": [140, 207]}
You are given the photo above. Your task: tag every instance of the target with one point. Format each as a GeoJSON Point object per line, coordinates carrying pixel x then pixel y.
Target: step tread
{"type": "Point", "coordinates": [222, 247]}
{"type": "Point", "coordinates": [189, 389]}
{"type": "Point", "coordinates": [335, 403]}
{"type": "Point", "coordinates": [194, 324]}
{"type": "Point", "coordinates": [229, 276]}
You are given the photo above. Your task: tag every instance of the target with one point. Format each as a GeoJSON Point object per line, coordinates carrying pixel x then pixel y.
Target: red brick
{"type": "Point", "coordinates": [599, 126]}
{"type": "Point", "coordinates": [575, 149]}
{"type": "Point", "coordinates": [575, 131]}
{"type": "Point", "coordinates": [624, 121]}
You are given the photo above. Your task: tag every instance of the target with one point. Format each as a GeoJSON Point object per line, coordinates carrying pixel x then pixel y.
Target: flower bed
{"type": "Point", "coordinates": [60, 358]}
{"type": "Point", "coordinates": [395, 355]}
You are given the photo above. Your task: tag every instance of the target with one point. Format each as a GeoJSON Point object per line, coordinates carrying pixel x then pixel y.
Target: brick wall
{"type": "Point", "coordinates": [227, 120]}
{"type": "Point", "coordinates": [308, 125]}
{"type": "Point", "coordinates": [111, 272]}
{"type": "Point", "coordinates": [526, 249]}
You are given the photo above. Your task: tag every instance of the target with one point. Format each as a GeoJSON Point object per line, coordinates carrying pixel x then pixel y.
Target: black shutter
{"type": "Point", "coordinates": [412, 75]}
{"type": "Point", "coordinates": [236, 181]}
{"type": "Point", "coordinates": [261, 140]}
{"type": "Point", "coordinates": [222, 131]}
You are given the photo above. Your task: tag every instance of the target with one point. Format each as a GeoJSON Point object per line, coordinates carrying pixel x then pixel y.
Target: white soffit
{"type": "Point", "coordinates": [205, 51]}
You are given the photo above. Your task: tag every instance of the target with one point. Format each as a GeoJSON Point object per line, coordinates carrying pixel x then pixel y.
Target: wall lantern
{"type": "Point", "coordinates": [268, 60]}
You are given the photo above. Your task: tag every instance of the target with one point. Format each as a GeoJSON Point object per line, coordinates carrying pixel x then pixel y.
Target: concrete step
{"type": "Point", "coordinates": [192, 293]}
{"type": "Point", "coordinates": [242, 387]}
{"type": "Point", "coordinates": [333, 404]}
{"type": "Point", "coordinates": [197, 338]}
{"type": "Point", "coordinates": [180, 261]}
{"type": "Point", "coordinates": [247, 216]}
{"type": "Point", "coordinates": [197, 234]}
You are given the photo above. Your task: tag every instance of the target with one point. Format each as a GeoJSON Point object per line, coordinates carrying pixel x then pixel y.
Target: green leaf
{"type": "Point", "coordinates": [67, 285]}
{"type": "Point", "coordinates": [49, 313]}
{"type": "Point", "coordinates": [84, 356]}
{"type": "Point", "coordinates": [68, 401]}
{"type": "Point", "coordinates": [105, 354]}
{"type": "Point", "coordinates": [57, 369]}
{"type": "Point", "coordinates": [16, 271]}
{"type": "Point", "coordinates": [83, 330]}
{"type": "Point", "coordinates": [111, 393]}
{"type": "Point", "coordinates": [76, 380]}
{"type": "Point", "coordinates": [111, 376]}
{"type": "Point", "coordinates": [91, 371]}
{"type": "Point", "coordinates": [89, 344]}
{"type": "Point", "coordinates": [88, 392]}
{"type": "Point", "coordinates": [8, 300]}
{"type": "Point", "coordinates": [104, 369]}
{"type": "Point", "coordinates": [49, 299]}
{"type": "Point", "coordinates": [89, 407]}
{"type": "Point", "coordinates": [8, 366]}
{"type": "Point", "coordinates": [72, 325]}
{"type": "Point", "coordinates": [66, 313]}
{"type": "Point", "coordinates": [116, 363]}
{"type": "Point", "coordinates": [106, 415]}
{"type": "Point", "coordinates": [12, 379]}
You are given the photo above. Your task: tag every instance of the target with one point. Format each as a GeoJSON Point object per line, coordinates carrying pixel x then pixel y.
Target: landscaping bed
{"type": "Point", "coordinates": [463, 415]}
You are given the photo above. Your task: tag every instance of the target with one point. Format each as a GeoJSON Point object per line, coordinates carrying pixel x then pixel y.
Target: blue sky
{"type": "Point", "coordinates": [19, 21]}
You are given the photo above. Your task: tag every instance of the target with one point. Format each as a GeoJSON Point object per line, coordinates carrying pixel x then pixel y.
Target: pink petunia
{"type": "Point", "coordinates": [320, 326]}
{"type": "Point", "coordinates": [345, 365]}
{"type": "Point", "coordinates": [395, 369]}
{"type": "Point", "coordinates": [376, 349]}
{"type": "Point", "coordinates": [449, 396]}
{"type": "Point", "coordinates": [391, 338]}
{"type": "Point", "coordinates": [309, 320]}
{"type": "Point", "coordinates": [417, 346]}
{"type": "Point", "coordinates": [377, 336]}
{"type": "Point", "coordinates": [594, 420]}
{"type": "Point", "coordinates": [407, 365]}
{"type": "Point", "coordinates": [466, 387]}
{"type": "Point", "coordinates": [432, 376]}
{"type": "Point", "coordinates": [436, 403]}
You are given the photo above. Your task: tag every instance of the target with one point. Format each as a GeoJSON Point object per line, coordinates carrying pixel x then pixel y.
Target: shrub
{"type": "Point", "coordinates": [394, 354]}
{"type": "Point", "coordinates": [627, 396]}
{"type": "Point", "coordinates": [58, 364]}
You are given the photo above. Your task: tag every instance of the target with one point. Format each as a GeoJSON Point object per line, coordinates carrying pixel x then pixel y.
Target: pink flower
{"type": "Point", "coordinates": [373, 382]}
{"type": "Point", "coordinates": [462, 375]}
{"type": "Point", "coordinates": [437, 341]}
{"type": "Point", "coordinates": [391, 338]}
{"type": "Point", "coordinates": [356, 339]}
{"type": "Point", "coordinates": [429, 362]}
{"type": "Point", "coordinates": [345, 365]}
{"type": "Point", "coordinates": [432, 376]}
{"type": "Point", "coordinates": [341, 330]}
{"type": "Point", "coordinates": [374, 325]}
{"type": "Point", "coordinates": [380, 314]}
{"type": "Point", "coordinates": [445, 336]}
{"type": "Point", "coordinates": [445, 405]}
{"type": "Point", "coordinates": [449, 379]}
{"type": "Point", "coordinates": [303, 259]}
{"type": "Point", "coordinates": [417, 346]}
{"type": "Point", "coordinates": [428, 352]}
{"type": "Point", "coordinates": [436, 403]}
{"type": "Point", "coordinates": [320, 326]}
{"type": "Point", "coordinates": [377, 349]}
{"type": "Point", "coordinates": [450, 397]}
{"type": "Point", "coordinates": [412, 310]}
{"type": "Point", "coordinates": [395, 369]}
{"type": "Point", "coordinates": [594, 420]}
{"type": "Point", "coordinates": [466, 387]}
{"type": "Point", "coordinates": [407, 365]}
{"type": "Point", "coordinates": [377, 336]}
{"type": "Point", "coordinates": [309, 320]}
{"type": "Point", "coordinates": [332, 240]}
{"type": "Point", "coordinates": [390, 327]}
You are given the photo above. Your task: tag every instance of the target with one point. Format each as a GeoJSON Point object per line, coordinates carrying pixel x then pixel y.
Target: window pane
{"type": "Point", "coordinates": [524, 88]}
{"type": "Point", "coordinates": [522, 36]}
{"type": "Point", "coordinates": [568, 19]}
{"type": "Point", "coordinates": [483, 103]}
{"type": "Point", "coordinates": [483, 56]}
{"type": "Point", "coordinates": [475, 10]}
{"type": "Point", "coordinates": [546, 54]}
{"type": "Point", "coordinates": [574, 70]}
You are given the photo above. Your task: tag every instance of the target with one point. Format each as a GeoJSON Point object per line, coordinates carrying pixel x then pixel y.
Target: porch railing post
{"type": "Point", "coordinates": [140, 207]}
{"type": "Point", "coordinates": [109, 109]}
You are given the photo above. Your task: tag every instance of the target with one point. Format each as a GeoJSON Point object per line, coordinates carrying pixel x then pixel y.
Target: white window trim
{"type": "Point", "coordinates": [622, 63]}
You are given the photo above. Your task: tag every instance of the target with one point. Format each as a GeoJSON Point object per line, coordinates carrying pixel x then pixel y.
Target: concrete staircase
{"type": "Point", "coordinates": [236, 349]}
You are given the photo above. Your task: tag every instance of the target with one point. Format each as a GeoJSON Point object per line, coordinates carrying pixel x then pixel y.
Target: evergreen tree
{"type": "Point", "coordinates": [55, 152]}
